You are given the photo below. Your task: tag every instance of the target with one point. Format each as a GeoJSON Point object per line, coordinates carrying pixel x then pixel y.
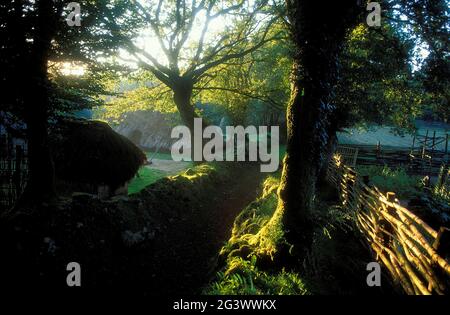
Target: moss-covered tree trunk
{"type": "Point", "coordinates": [318, 29]}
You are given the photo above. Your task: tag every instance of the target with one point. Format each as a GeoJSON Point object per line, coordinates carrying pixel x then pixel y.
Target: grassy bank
{"type": "Point", "coordinates": [241, 273]}
{"type": "Point", "coordinates": [253, 263]}
{"type": "Point", "coordinates": [146, 175]}
{"type": "Point", "coordinates": [144, 178]}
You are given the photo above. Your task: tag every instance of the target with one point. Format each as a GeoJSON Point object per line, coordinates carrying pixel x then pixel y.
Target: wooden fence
{"type": "Point", "coordinates": [407, 246]}
{"type": "Point", "coordinates": [349, 155]}
{"type": "Point", "coordinates": [428, 163]}
{"type": "Point", "coordinates": [427, 143]}
{"type": "Point", "coordinates": [13, 171]}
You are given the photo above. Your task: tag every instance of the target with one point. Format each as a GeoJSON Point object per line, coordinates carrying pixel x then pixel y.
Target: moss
{"type": "Point", "coordinates": [256, 236]}
{"type": "Point", "coordinates": [254, 227]}
{"type": "Point", "coordinates": [197, 172]}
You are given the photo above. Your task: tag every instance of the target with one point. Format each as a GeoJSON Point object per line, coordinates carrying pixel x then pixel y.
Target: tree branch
{"type": "Point", "coordinates": [266, 99]}
{"type": "Point", "coordinates": [196, 74]}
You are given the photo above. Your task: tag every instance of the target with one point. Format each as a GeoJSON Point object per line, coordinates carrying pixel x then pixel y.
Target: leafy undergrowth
{"type": "Point", "coordinates": [336, 263]}
{"type": "Point", "coordinates": [395, 180]}
{"type": "Point", "coordinates": [247, 279]}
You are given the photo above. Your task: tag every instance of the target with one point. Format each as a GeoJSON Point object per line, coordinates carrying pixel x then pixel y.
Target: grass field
{"type": "Point", "coordinates": [144, 178]}
{"type": "Point", "coordinates": [146, 175]}
{"type": "Point", "coordinates": [386, 136]}
{"type": "Point", "coordinates": [158, 155]}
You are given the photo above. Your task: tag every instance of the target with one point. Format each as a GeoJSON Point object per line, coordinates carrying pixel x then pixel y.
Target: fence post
{"type": "Point", "coordinates": [433, 143]}
{"type": "Point", "coordinates": [440, 180]}
{"type": "Point", "coordinates": [413, 143]}
{"type": "Point", "coordinates": [355, 157]}
{"type": "Point", "coordinates": [446, 143]}
{"type": "Point", "coordinates": [424, 145]}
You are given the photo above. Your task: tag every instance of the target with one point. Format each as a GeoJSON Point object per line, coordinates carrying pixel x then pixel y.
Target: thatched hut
{"type": "Point", "coordinates": [91, 157]}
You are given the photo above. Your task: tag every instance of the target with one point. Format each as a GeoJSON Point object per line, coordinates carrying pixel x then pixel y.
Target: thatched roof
{"type": "Point", "coordinates": [91, 152]}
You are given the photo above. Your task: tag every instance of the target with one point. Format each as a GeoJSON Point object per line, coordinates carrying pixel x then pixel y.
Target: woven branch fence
{"type": "Point", "coordinates": [415, 162]}
{"type": "Point", "coordinates": [407, 246]}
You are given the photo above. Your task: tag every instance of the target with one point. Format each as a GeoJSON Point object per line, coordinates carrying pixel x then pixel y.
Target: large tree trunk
{"type": "Point", "coordinates": [297, 187]}
{"type": "Point", "coordinates": [331, 146]}
{"type": "Point", "coordinates": [318, 30]}
{"type": "Point", "coordinates": [40, 185]}
{"type": "Point", "coordinates": [182, 93]}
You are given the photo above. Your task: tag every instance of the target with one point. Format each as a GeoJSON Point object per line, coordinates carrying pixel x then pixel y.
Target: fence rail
{"type": "Point", "coordinates": [348, 154]}
{"type": "Point", "coordinates": [406, 245]}
{"type": "Point", "coordinates": [423, 162]}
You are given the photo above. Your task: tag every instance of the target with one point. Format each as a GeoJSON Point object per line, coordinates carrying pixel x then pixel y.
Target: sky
{"type": "Point", "coordinates": [149, 42]}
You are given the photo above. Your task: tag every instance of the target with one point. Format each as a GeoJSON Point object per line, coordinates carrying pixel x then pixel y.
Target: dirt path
{"type": "Point", "coordinates": [186, 251]}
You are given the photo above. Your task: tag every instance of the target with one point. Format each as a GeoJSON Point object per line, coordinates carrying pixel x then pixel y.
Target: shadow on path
{"type": "Point", "coordinates": [185, 253]}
